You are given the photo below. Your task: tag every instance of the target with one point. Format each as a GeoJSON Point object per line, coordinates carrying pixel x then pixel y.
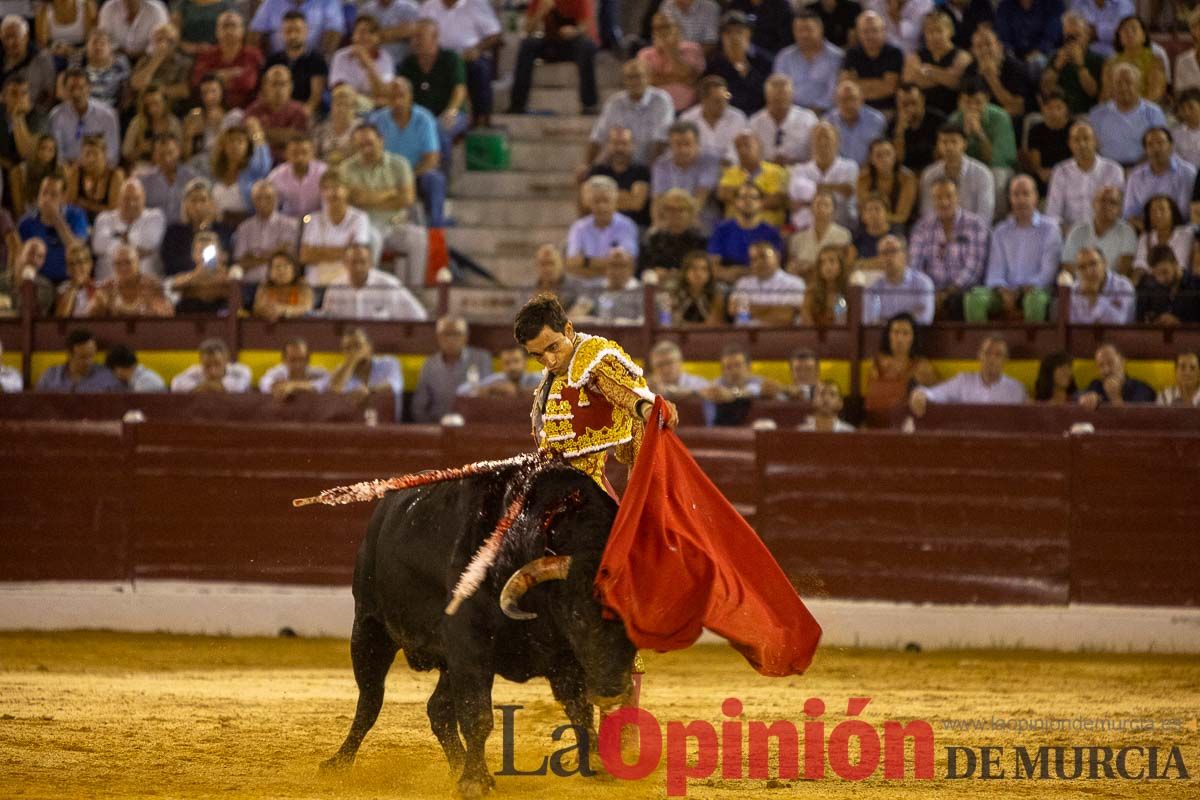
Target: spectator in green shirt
{"type": "Point", "coordinates": [439, 80]}
{"type": "Point", "coordinates": [989, 128]}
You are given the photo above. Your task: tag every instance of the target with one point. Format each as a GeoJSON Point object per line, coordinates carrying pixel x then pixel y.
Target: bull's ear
{"type": "Point", "coordinates": [540, 570]}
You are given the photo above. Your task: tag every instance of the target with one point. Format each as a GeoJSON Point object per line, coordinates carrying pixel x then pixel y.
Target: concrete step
{"type": "Point", "coordinates": [543, 127]}
{"type": "Point", "coordinates": [510, 270]}
{"type": "Point", "coordinates": [560, 100]}
{"type": "Point", "coordinates": [515, 185]}
{"type": "Point", "coordinates": [532, 156]}
{"type": "Point", "coordinates": [503, 241]}
{"type": "Point", "coordinates": [564, 75]}
{"type": "Point", "coordinates": [514, 211]}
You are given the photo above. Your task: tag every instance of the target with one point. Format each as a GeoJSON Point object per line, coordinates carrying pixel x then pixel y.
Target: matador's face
{"type": "Point", "coordinates": [552, 349]}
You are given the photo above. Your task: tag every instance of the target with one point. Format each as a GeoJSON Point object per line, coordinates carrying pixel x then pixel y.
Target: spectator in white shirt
{"type": "Point", "coordinates": [130, 24]}
{"type": "Point", "coordinates": [294, 373]}
{"type": "Point", "coordinates": [900, 289]}
{"type": "Point", "coordinates": [768, 295]}
{"type": "Point", "coordinates": [330, 232]}
{"type": "Point", "coordinates": [1187, 68]}
{"type": "Point", "coordinates": [717, 121]}
{"type": "Point", "coordinates": [828, 171]}
{"type": "Point", "coordinates": [214, 373]}
{"type": "Point", "coordinates": [1100, 296]}
{"type": "Point", "coordinates": [1074, 182]}
{"type": "Point", "coordinates": [133, 223]}
{"type": "Point", "coordinates": [363, 292]}
{"type": "Point", "coordinates": [10, 379]}
{"type": "Point", "coordinates": [827, 404]}
{"type": "Point", "coordinates": [785, 129]}
{"type": "Point", "coordinates": [988, 386]}
{"type": "Point", "coordinates": [265, 233]}
{"type": "Point", "coordinates": [514, 378]}
{"type": "Point", "coordinates": [135, 377]}
{"type": "Point", "coordinates": [619, 299]}
{"type": "Point", "coordinates": [364, 64]}
{"type": "Point", "coordinates": [667, 376]}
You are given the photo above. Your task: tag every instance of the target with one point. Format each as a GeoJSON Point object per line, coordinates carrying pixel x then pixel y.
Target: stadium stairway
{"type": "Point", "coordinates": [502, 217]}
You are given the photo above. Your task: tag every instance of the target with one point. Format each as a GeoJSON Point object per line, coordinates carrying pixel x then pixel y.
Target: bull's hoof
{"type": "Point", "coordinates": [339, 763]}
{"type": "Point", "coordinates": [474, 788]}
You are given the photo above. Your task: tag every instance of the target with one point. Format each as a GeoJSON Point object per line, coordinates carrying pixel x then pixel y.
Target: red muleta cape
{"type": "Point", "coordinates": [680, 559]}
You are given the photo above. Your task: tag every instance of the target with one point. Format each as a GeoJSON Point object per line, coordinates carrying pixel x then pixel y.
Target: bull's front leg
{"type": "Point", "coordinates": [471, 687]}
{"type": "Point", "coordinates": [444, 721]}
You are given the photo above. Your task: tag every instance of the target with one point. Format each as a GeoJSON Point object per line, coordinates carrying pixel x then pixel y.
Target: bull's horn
{"type": "Point", "coordinates": [540, 570]}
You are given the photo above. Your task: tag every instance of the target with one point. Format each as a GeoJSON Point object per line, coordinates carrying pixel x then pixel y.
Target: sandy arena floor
{"type": "Point", "coordinates": [101, 715]}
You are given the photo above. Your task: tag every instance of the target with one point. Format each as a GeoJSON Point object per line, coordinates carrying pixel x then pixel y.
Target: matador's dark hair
{"type": "Point", "coordinates": [542, 311]}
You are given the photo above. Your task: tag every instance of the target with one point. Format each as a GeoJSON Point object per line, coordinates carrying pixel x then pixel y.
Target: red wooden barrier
{"type": "Point", "coordinates": [248, 407]}
{"type": "Point", "coordinates": [1041, 418]}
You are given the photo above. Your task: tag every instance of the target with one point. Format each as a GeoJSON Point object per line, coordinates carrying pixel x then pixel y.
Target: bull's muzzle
{"type": "Point", "coordinates": [540, 570]}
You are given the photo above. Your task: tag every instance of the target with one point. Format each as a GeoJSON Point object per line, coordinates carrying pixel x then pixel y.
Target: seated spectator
{"type": "Point", "coordinates": [363, 64]}
{"type": "Point", "coordinates": [1187, 66]}
{"type": "Point", "coordinates": [1049, 140]}
{"type": "Point", "coordinates": [976, 184]}
{"type": "Point", "coordinates": [729, 394]}
{"type": "Point", "coordinates": [80, 116]}
{"type": "Point", "coordinates": [914, 132]}
{"type": "Point", "coordinates": [240, 158]}
{"type": "Point", "coordinates": [131, 23]}
{"type": "Point", "coordinates": [783, 129]}
{"type": "Point", "coordinates": [696, 297]}
{"type": "Point", "coordinates": [204, 289]}
{"type": "Point", "coordinates": [128, 292]}
{"type": "Point", "coordinates": [1186, 132]}
{"type": "Point", "coordinates": [399, 25]}
{"type": "Point", "coordinates": [80, 372]}
{"type": "Point", "coordinates": [1122, 122]}
{"type": "Point", "coordinates": [198, 23]}
{"type": "Point", "coordinates": [454, 364]}
{"type": "Point", "coordinates": [439, 80]}
{"type": "Point", "coordinates": [743, 64]}
{"type": "Point", "coordinates": [899, 288]}
{"type": "Point", "coordinates": [988, 386]}
{"type": "Point", "coordinates": [1031, 29]}
{"type": "Point", "coordinates": [730, 243]}
{"type": "Point", "coordinates": [75, 294]}
{"type": "Point", "coordinates": [198, 215]}
{"type": "Point", "coordinates": [826, 172]}
{"type": "Point", "coordinates": [28, 265]}
{"type": "Point", "coordinates": [514, 378]}
{"type": "Point", "coordinates": [1186, 391]}
{"type": "Point", "coordinates": [1099, 296]}
{"type": "Point", "coordinates": [1132, 46]}
{"type": "Point", "coordinates": [332, 136]}
{"type": "Point", "coordinates": [264, 234]}
{"type": "Point", "coordinates": [857, 125]}
{"type": "Point", "coordinates": [1055, 382]}
{"type": "Point", "coordinates": [827, 404]}
{"type": "Point", "coordinates": [1163, 173]}
{"type": "Point", "coordinates": [592, 239]}
{"type": "Point", "coordinates": [306, 64]}
{"type": "Point", "coordinates": [108, 72]}
{"type": "Point", "coordinates": [471, 29]}
{"type": "Point", "coordinates": [896, 369]}
{"type": "Point", "coordinates": [1115, 237]}
{"type": "Point", "coordinates": [698, 20]}
{"type": "Point", "coordinates": [10, 242]}
{"type": "Point", "coordinates": [1112, 386]}
{"type": "Point", "coordinates": [1008, 82]}
{"type": "Point", "coordinates": [664, 248]}
{"type": "Point", "coordinates": [556, 31]}
{"type": "Point", "coordinates": [825, 300]}
{"type": "Point", "coordinates": [618, 300]}
{"type": "Point", "coordinates": [886, 176]}
{"type": "Point", "coordinates": [295, 374]}
{"type": "Point", "coordinates": [1074, 183]}
{"type": "Point", "coordinates": [214, 373]}
{"type": "Point", "coordinates": [1168, 296]}
{"type": "Point", "coordinates": [667, 376]}
{"type": "Point", "coordinates": [951, 248]}
{"type": "Point", "coordinates": [130, 222]}
{"type": "Point", "coordinates": [205, 122]}
{"type": "Point", "coordinates": [988, 131]}
{"type": "Point", "coordinates": [133, 376]}
{"type": "Point", "coordinates": [552, 277]}
{"type": "Point", "coordinates": [863, 251]}
{"type": "Point", "coordinates": [812, 63]}
{"type": "Point", "coordinates": [57, 224]}
{"type": "Point", "coordinates": [381, 184]}
{"type": "Point", "coordinates": [297, 181]}
{"type": "Point", "coordinates": [283, 293]}
{"type": "Point", "coordinates": [326, 25]}
{"type": "Point", "coordinates": [768, 295]}
{"type": "Point", "coordinates": [938, 67]}
{"type": "Point", "coordinates": [30, 62]}
{"type": "Point", "coordinates": [632, 178]}
{"type": "Point", "coordinates": [362, 372]}
{"type": "Point", "coordinates": [235, 62]}
{"type": "Point", "coordinates": [1103, 17]}
{"type": "Point", "coordinates": [805, 370]}
{"type": "Point", "coordinates": [363, 292]}
{"type": "Point", "coordinates": [411, 132]}
{"type": "Point", "coordinates": [716, 120]}
{"type": "Point", "coordinates": [1022, 262]}
{"type": "Point", "coordinates": [873, 65]}
{"type": "Point", "coordinates": [838, 18]}
{"type": "Point", "coordinates": [329, 233]}
{"type": "Point", "coordinates": [824, 232]}
{"type": "Point", "coordinates": [1076, 68]}
{"type": "Point", "coordinates": [684, 167]}
{"type": "Point", "coordinates": [164, 184]}
{"type": "Point", "coordinates": [280, 117]}
{"type": "Point", "coordinates": [1163, 223]}
{"type": "Point", "coordinates": [672, 63]}
{"type": "Point", "coordinates": [749, 167]}
{"type": "Point", "coordinates": [164, 65]}
{"type": "Point", "coordinates": [20, 125]}
{"type": "Point", "coordinates": [94, 183]}
{"type": "Point", "coordinates": [646, 110]}
{"type": "Point", "coordinates": [154, 118]}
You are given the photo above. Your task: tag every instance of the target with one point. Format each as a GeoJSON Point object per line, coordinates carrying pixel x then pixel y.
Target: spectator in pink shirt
{"type": "Point", "coordinates": [297, 180]}
{"type": "Point", "coordinates": [672, 64]}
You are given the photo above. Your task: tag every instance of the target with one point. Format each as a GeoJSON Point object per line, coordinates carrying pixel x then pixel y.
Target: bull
{"type": "Point", "coordinates": [418, 543]}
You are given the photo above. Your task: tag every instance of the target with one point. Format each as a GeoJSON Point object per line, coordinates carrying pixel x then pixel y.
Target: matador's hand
{"type": "Point", "coordinates": [669, 407]}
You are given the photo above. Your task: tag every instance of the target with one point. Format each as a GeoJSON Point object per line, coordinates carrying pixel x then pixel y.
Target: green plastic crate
{"type": "Point", "coordinates": [488, 151]}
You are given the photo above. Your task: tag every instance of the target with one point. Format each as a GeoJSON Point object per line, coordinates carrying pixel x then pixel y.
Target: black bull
{"type": "Point", "coordinates": [417, 545]}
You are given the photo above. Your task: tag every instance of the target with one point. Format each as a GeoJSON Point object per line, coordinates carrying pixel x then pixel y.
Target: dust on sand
{"type": "Point", "coordinates": [106, 715]}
